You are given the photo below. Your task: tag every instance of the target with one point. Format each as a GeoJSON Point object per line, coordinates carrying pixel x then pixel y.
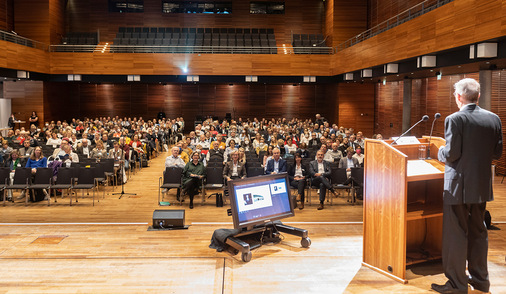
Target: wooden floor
{"type": "Point", "coordinates": [107, 248]}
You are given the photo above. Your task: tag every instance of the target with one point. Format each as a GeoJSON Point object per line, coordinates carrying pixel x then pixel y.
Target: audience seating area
{"type": "Point", "coordinates": [194, 40]}
{"type": "Point", "coordinates": [309, 44]}
{"type": "Point", "coordinates": [76, 38]}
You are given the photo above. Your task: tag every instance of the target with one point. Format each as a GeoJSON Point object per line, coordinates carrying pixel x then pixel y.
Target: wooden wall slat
{"type": "Point", "coordinates": [26, 96]}
{"type": "Point", "coordinates": [32, 19]}
{"type": "Point", "coordinates": [356, 107]}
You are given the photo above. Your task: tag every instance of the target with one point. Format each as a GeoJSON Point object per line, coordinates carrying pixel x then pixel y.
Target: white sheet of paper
{"type": "Point", "coordinates": [421, 167]}
{"type": "Point", "coordinates": [408, 140]}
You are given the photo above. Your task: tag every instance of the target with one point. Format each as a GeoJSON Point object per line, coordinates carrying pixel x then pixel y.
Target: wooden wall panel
{"type": "Point", "coordinates": [32, 19]}
{"type": "Point", "coordinates": [91, 15]}
{"type": "Point", "coordinates": [499, 108]}
{"type": "Point", "coordinates": [20, 57]}
{"type": "Point", "coordinates": [138, 98]}
{"type": "Point", "coordinates": [256, 100]}
{"type": "Point", "coordinates": [290, 96]}
{"type": "Point", "coordinates": [224, 99]}
{"type": "Point", "coordinates": [356, 107]}
{"type": "Point", "coordinates": [274, 101]}
{"type": "Point", "coordinates": [444, 28]}
{"type": "Point", "coordinates": [388, 111]}
{"type": "Point", "coordinates": [381, 10]}
{"type": "Point", "coordinates": [6, 15]}
{"type": "Point", "coordinates": [56, 20]}
{"type": "Point", "coordinates": [350, 19]}
{"type": "Point", "coordinates": [307, 104]}
{"type": "Point", "coordinates": [207, 96]}
{"type": "Point", "coordinates": [26, 96]}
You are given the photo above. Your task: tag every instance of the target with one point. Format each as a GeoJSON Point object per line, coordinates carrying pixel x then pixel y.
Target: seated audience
{"type": "Point", "coordinates": [334, 154]}
{"type": "Point", "coordinates": [319, 170]}
{"type": "Point", "coordinates": [349, 161]}
{"type": "Point", "coordinates": [359, 156]}
{"type": "Point", "coordinates": [234, 169]}
{"type": "Point", "coordinates": [297, 174]}
{"type": "Point", "coordinates": [84, 148]}
{"type": "Point", "coordinates": [193, 173]}
{"type": "Point", "coordinates": [99, 151]}
{"type": "Point", "coordinates": [276, 164]}
{"type": "Point", "coordinates": [26, 151]}
{"type": "Point", "coordinates": [215, 154]}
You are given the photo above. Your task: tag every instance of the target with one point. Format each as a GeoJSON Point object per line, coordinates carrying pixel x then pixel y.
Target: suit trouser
{"type": "Point", "coordinates": [324, 184]}
{"type": "Point", "coordinates": [192, 187]}
{"type": "Point", "coordinates": [465, 237]}
{"type": "Point", "coordinates": [299, 185]}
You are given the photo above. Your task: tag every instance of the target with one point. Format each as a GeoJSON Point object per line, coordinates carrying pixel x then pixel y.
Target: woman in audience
{"type": "Point", "coordinates": [231, 147]}
{"type": "Point", "coordinates": [136, 146]}
{"type": "Point", "coordinates": [99, 151]}
{"type": "Point", "coordinates": [297, 174]}
{"type": "Point", "coordinates": [242, 155]}
{"type": "Point", "coordinates": [267, 156]}
{"type": "Point", "coordinates": [290, 147]}
{"type": "Point", "coordinates": [54, 140]}
{"type": "Point", "coordinates": [193, 173]}
{"type": "Point", "coordinates": [36, 160]}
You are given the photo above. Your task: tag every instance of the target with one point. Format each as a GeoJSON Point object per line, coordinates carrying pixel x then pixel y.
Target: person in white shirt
{"type": "Point", "coordinates": [69, 157]}
{"type": "Point", "coordinates": [54, 140]}
{"type": "Point", "coordinates": [359, 155]}
{"type": "Point", "coordinates": [174, 160]}
{"type": "Point", "coordinates": [334, 154]}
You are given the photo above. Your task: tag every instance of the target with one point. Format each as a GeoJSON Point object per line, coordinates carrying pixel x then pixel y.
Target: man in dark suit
{"type": "Point", "coordinates": [319, 170]}
{"type": "Point", "coordinates": [473, 138]}
{"type": "Point", "coordinates": [277, 164]}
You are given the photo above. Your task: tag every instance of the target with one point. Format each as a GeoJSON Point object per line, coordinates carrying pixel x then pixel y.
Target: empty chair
{"type": "Point", "coordinates": [172, 177]}
{"type": "Point", "coordinates": [100, 175]}
{"type": "Point", "coordinates": [42, 180]}
{"type": "Point", "coordinates": [213, 180]}
{"type": "Point", "coordinates": [339, 180]}
{"type": "Point", "coordinates": [109, 172]}
{"type": "Point", "coordinates": [86, 181]}
{"type": "Point", "coordinates": [254, 171]}
{"type": "Point", "coordinates": [4, 180]}
{"type": "Point", "coordinates": [21, 180]}
{"type": "Point", "coordinates": [64, 181]}
{"type": "Point", "coordinates": [357, 176]}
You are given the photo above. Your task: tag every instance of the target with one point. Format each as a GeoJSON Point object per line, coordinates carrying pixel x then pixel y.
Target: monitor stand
{"type": "Point", "coordinates": [252, 238]}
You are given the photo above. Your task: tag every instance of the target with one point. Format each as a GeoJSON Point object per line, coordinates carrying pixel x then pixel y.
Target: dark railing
{"type": "Point", "coordinates": [190, 49]}
{"type": "Point", "coordinates": [14, 38]}
{"type": "Point", "coordinates": [409, 14]}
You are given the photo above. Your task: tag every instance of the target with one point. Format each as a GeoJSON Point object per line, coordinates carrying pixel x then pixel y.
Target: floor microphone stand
{"type": "Point", "coordinates": [123, 173]}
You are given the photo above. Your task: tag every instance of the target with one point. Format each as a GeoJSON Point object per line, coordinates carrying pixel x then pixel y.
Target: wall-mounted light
{"type": "Point", "coordinates": [134, 78]}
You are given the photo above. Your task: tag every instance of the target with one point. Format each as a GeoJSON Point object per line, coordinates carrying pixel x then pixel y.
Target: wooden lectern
{"type": "Point", "coordinates": [403, 206]}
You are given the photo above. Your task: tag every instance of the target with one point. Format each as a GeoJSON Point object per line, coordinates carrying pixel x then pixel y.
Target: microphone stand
{"type": "Point", "coordinates": [123, 173]}
{"type": "Point", "coordinates": [436, 116]}
{"type": "Point", "coordinates": [424, 118]}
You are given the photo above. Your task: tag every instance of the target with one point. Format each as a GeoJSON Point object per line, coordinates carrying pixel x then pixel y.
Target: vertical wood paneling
{"type": "Point", "coordinates": [32, 19]}
{"type": "Point", "coordinates": [225, 99]}
{"type": "Point", "coordinates": [6, 15]}
{"type": "Point", "coordinates": [26, 96]}
{"type": "Point", "coordinates": [307, 101]}
{"type": "Point", "coordinates": [274, 103]}
{"type": "Point", "coordinates": [382, 10]}
{"type": "Point", "coordinates": [256, 100]}
{"type": "Point", "coordinates": [356, 107]}
{"type": "Point", "coordinates": [389, 108]}
{"type": "Point", "coordinates": [56, 20]}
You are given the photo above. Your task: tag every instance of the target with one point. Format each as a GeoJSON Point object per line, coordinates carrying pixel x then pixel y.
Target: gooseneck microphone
{"type": "Point", "coordinates": [424, 118]}
{"type": "Point", "coordinates": [436, 116]}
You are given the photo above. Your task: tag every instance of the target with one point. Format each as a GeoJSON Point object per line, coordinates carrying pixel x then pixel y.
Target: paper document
{"type": "Point", "coordinates": [421, 167]}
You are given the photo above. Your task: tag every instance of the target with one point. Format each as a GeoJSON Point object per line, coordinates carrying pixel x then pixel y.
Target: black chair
{"type": "Point", "coordinates": [22, 177]}
{"type": "Point", "coordinates": [212, 180]}
{"type": "Point", "coordinates": [100, 175]}
{"type": "Point", "coordinates": [64, 181]}
{"type": "Point", "coordinates": [109, 171]}
{"type": "Point", "coordinates": [339, 180]}
{"type": "Point", "coordinates": [172, 177]}
{"type": "Point", "coordinates": [4, 180]}
{"type": "Point", "coordinates": [43, 180]}
{"type": "Point", "coordinates": [86, 181]}
{"type": "Point", "coordinates": [357, 176]}
{"type": "Point", "coordinates": [254, 171]}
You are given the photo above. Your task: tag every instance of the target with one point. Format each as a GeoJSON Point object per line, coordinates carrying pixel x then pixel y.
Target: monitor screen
{"type": "Point", "coordinates": [259, 200]}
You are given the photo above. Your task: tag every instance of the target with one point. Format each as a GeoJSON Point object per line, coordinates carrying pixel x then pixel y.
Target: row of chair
{"type": "Point", "coordinates": [79, 176]}
{"type": "Point", "coordinates": [213, 179]}
{"type": "Point", "coordinates": [78, 38]}
{"type": "Point", "coordinates": [195, 30]}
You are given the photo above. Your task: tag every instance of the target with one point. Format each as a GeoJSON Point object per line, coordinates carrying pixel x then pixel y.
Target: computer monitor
{"type": "Point", "coordinates": [259, 200]}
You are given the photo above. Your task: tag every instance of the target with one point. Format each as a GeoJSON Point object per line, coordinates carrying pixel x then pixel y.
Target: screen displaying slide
{"type": "Point", "coordinates": [262, 200]}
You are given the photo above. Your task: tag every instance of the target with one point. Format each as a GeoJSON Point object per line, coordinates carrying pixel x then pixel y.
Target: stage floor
{"type": "Point", "coordinates": [107, 248]}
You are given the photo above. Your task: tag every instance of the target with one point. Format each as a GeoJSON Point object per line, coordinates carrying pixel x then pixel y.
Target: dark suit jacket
{"type": "Point", "coordinates": [343, 162]}
{"type": "Point", "coordinates": [227, 169]}
{"type": "Point", "coordinates": [473, 138]}
{"type": "Point", "coordinates": [291, 171]}
{"type": "Point", "coordinates": [270, 166]}
{"type": "Point", "coordinates": [313, 168]}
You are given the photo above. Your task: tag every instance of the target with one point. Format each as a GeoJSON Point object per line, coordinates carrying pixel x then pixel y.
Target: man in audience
{"type": "Point", "coordinates": [360, 140]}
{"type": "Point", "coordinates": [314, 143]}
{"type": "Point", "coordinates": [334, 154]}
{"type": "Point", "coordinates": [84, 149]}
{"type": "Point", "coordinates": [175, 160]}
{"type": "Point", "coordinates": [349, 161]}
{"type": "Point", "coordinates": [276, 164]}
{"type": "Point", "coordinates": [215, 154]}
{"type": "Point", "coordinates": [68, 157]}
{"type": "Point", "coordinates": [319, 170]}
{"type": "Point", "coordinates": [26, 150]}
